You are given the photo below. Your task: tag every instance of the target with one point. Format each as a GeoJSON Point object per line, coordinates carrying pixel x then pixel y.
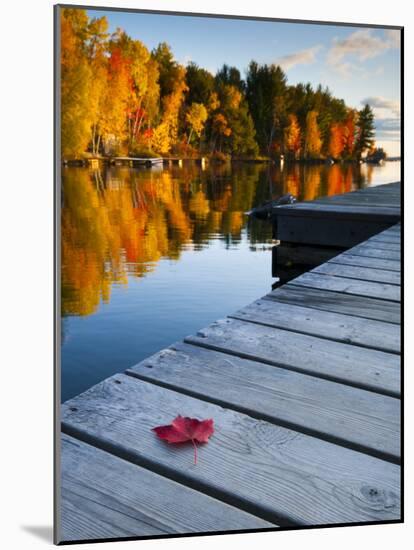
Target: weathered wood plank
{"type": "Point", "coordinates": [349, 286]}
{"type": "Point", "coordinates": [364, 261]}
{"type": "Point", "coordinates": [385, 237]}
{"type": "Point", "coordinates": [372, 202]}
{"type": "Point", "coordinates": [104, 496]}
{"type": "Point", "coordinates": [390, 195]}
{"type": "Point", "coordinates": [379, 245]}
{"type": "Point", "coordinates": [361, 273]}
{"type": "Point", "coordinates": [353, 365]}
{"type": "Point", "coordinates": [282, 475]}
{"type": "Point", "coordinates": [357, 215]}
{"type": "Point", "coordinates": [313, 208]}
{"type": "Point", "coordinates": [356, 418]}
{"type": "Point", "coordinates": [337, 302]}
{"type": "Point", "coordinates": [394, 228]}
{"type": "Point", "coordinates": [370, 252]}
{"type": "Point", "coordinates": [334, 326]}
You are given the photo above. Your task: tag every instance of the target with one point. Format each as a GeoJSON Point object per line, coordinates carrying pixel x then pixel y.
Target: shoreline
{"type": "Point", "coordinates": [151, 161]}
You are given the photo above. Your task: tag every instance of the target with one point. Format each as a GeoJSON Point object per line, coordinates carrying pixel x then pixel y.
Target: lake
{"type": "Point", "coordinates": [150, 256]}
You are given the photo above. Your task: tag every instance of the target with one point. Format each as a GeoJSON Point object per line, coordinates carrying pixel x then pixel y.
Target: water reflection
{"type": "Point", "coordinates": [120, 221]}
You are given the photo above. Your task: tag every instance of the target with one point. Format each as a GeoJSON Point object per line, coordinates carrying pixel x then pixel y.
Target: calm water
{"type": "Point", "coordinates": [152, 255]}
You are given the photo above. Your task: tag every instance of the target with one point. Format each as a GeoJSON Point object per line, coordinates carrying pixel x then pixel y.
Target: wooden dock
{"type": "Point", "coordinates": [304, 389]}
{"type": "Point", "coordinates": [357, 215]}
{"type": "Point", "coordinates": [136, 161]}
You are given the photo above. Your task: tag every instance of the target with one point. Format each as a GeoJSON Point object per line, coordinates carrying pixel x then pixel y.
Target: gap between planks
{"type": "Point", "coordinates": [337, 327]}
{"type": "Point", "coordinates": [277, 474]}
{"type": "Point", "coordinates": [326, 410]}
{"type": "Point", "coordinates": [337, 302]}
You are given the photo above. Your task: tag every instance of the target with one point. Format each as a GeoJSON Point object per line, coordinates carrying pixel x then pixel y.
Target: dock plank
{"type": "Point", "coordinates": [373, 201]}
{"type": "Point", "coordinates": [282, 475]}
{"type": "Point", "coordinates": [371, 252]}
{"type": "Point", "coordinates": [303, 353]}
{"type": "Point", "coordinates": [361, 273]}
{"type": "Point", "coordinates": [355, 418]}
{"type": "Point", "coordinates": [363, 261]}
{"type": "Point", "coordinates": [334, 326]}
{"type": "Point", "coordinates": [337, 302]}
{"type": "Point", "coordinates": [104, 496]}
{"type": "Point", "coordinates": [380, 245]}
{"type": "Point", "coordinates": [330, 210]}
{"type": "Point", "coordinates": [385, 237]}
{"type": "Point", "coordinates": [339, 220]}
{"type": "Point", "coordinates": [369, 289]}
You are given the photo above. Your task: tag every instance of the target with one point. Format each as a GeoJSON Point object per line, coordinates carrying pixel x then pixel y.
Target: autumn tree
{"type": "Point", "coordinates": [116, 93]}
{"type": "Point", "coordinates": [349, 133]}
{"type": "Point", "coordinates": [313, 142]}
{"type": "Point", "coordinates": [76, 79]}
{"type": "Point", "coordinates": [196, 117]}
{"type": "Point", "coordinates": [336, 141]}
{"type": "Point", "coordinates": [116, 100]}
{"type": "Point", "coordinates": [235, 125]}
{"type": "Point", "coordinates": [97, 59]}
{"type": "Point", "coordinates": [365, 131]}
{"type": "Point", "coordinates": [292, 137]}
{"type": "Point", "coordinates": [166, 133]}
{"type": "Point", "coordinates": [220, 131]}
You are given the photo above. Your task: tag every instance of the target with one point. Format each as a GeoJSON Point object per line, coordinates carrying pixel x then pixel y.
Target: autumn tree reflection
{"type": "Point", "coordinates": [120, 222]}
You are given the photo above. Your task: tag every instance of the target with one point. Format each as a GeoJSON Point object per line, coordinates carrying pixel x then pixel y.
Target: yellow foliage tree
{"type": "Point", "coordinates": [292, 136]}
{"type": "Point", "coordinates": [165, 134]}
{"type": "Point", "coordinates": [76, 78]}
{"type": "Point", "coordinates": [313, 141]}
{"type": "Point", "coordinates": [196, 117]}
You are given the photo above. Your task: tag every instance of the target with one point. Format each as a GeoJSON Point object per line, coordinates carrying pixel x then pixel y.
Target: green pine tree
{"type": "Point", "coordinates": [365, 131]}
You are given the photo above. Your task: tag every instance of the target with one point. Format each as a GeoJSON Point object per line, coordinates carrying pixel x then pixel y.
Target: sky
{"type": "Point", "coordinates": [359, 64]}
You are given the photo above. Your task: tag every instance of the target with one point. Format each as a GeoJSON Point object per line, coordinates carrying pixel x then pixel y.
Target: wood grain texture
{"type": "Point", "coordinates": [353, 365]}
{"type": "Point", "coordinates": [334, 326]}
{"type": "Point", "coordinates": [104, 496]}
{"type": "Point", "coordinates": [371, 252]}
{"type": "Point", "coordinates": [379, 245]}
{"type": "Point", "coordinates": [274, 471]}
{"type": "Point", "coordinates": [337, 302]}
{"type": "Point", "coordinates": [363, 261]}
{"type": "Point", "coordinates": [385, 237]}
{"type": "Point", "coordinates": [368, 289]}
{"type": "Point", "coordinates": [352, 417]}
{"type": "Point", "coordinates": [361, 273]}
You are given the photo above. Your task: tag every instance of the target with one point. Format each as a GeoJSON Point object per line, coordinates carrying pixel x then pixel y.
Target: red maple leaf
{"type": "Point", "coordinates": [184, 429]}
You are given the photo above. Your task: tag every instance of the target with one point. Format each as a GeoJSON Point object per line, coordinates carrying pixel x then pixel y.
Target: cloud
{"type": "Point", "coordinates": [394, 38]}
{"type": "Point", "coordinates": [382, 105]}
{"type": "Point", "coordinates": [387, 117]}
{"type": "Point", "coordinates": [388, 128]}
{"type": "Point", "coordinates": [361, 45]}
{"type": "Point", "coordinates": [388, 124]}
{"type": "Point", "coordinates": [303, 57]}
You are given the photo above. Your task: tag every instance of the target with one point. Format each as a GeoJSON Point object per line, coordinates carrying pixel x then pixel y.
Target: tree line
{"type": "Point", "coordinates": [117, 97]}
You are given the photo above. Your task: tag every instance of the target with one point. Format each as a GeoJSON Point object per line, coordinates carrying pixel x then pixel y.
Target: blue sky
{"type": "Point", "coordinates": [356, 63]}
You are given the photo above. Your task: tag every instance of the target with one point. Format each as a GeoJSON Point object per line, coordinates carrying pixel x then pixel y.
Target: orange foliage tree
{"type": "Point", "coordinates": [292, 141]}
{"type": "Point", "coordinates": [336, 140]}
